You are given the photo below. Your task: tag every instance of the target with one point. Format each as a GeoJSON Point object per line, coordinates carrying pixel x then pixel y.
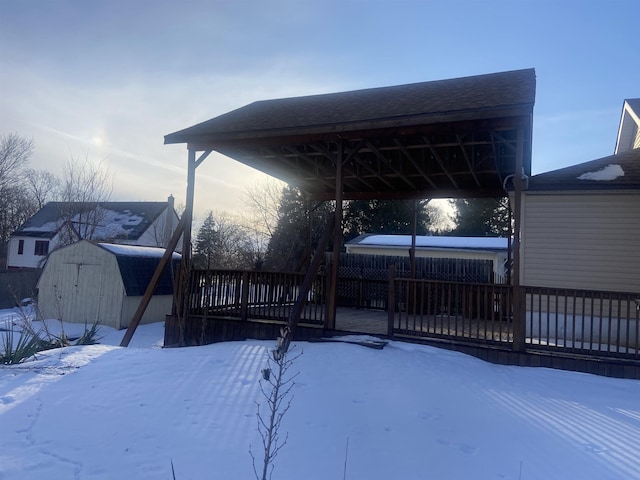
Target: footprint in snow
{"type": "Point", "coordinates": [593, 448]}
{"type": "Point", "coordinates": [7, 399]}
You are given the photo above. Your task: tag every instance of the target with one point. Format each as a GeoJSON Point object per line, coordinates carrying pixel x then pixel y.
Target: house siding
{"type": "Point", "coordinates": [26, 259]}
{"type": "Point", "coordinates": [498, 258]}
{"type": "Point", "coordinates": [582, 241]}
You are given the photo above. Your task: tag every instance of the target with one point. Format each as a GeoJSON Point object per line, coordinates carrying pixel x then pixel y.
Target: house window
{"type": "Point", "coordinates": [20, 247]}
{"type": "Point", "coordinates": [42, 248]}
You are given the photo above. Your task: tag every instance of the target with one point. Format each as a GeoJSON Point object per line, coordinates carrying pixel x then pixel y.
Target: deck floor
{"type": "Point", "coordinates": [375, 322]}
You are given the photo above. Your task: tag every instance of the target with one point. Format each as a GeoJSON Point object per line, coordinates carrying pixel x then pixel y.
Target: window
{"type": "Point", "coordinates": [20, 247]}
{"type": "Point", "coordinates": [42, 248]}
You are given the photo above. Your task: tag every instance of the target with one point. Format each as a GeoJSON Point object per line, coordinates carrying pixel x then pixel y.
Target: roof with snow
{"type": "Point", "coordinates": [137, 266]}
{"type": "Point", "coordinates": [615, 172]}
{"type": "Point", "coordinates": [432, 242]}
{"type": "Point", "coordinates": [115, 219]}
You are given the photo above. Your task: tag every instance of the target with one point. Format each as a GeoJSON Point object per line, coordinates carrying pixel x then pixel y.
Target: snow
{"type": "Point", "coordinates": [136, 251]}
{"type": "Point", "coordinates": [477, 243]}
{"type": "Point", "coordinates": [407, 412]}
{"type": "Point", "coordinates": [608, 173]}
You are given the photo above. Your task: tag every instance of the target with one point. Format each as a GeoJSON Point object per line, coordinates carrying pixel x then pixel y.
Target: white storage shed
{"type": "Point", "coordinates": [88, 282]}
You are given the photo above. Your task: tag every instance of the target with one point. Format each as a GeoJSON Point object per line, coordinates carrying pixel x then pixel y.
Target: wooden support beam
{"type": "Point", "coordinates": [519, 312]}
{"type": "Point", "coordinates": [436, 155]}
{"type": "Point", "coordinates": [415, 165]}
{"type": "Point", "coordinates": [468, 160]}
{"type": "Point", "coordinates": [153, 283]}
{"type": "Point", "coordinates": [312, 272]}
{"type": "Point", "coordinates": [330, 321]}
{"type": "Point", "coordinates": [386, 161]}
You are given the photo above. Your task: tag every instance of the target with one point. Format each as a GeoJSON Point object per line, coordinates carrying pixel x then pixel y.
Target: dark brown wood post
{"type": "Point", "coordinates": [414, 232]}
{"type": "Point", "coordinates": [391, 304]}
{"type": "Point", "coordinates": [519, 313]}
{"type": "Point", "coordinates": [185, 266]}
{"type": "Point", "coordinates": [244, 302]}
{"type": "Point", "coordinates": [337, 242]}
{"type": "Point", "coordinates": [144, 302]}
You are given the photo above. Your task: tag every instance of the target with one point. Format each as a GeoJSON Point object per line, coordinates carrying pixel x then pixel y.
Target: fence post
{"type": "Point", "coordinates": [244, 303]}
{"type": "Point", "coordinates": [391, 303]}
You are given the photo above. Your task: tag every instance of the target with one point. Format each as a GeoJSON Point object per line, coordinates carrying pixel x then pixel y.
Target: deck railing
{"type": "Point", "coordinates": [253, 295]}
{"type": "Point", "coordinates": [594, 323]}
{"type": "Point", "coordinates": [583, 321]}
{"type": "Point", "coordinates": [465, 311]}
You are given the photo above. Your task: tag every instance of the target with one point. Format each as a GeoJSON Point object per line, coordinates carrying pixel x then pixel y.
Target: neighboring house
{"type": "Point", "coordinates": [89, 282]}
{"type": "Point", "coordinates": [471, 248]}
{"type": "Point", "coordinates": [629, 130]}
{"type": "Point", "coordinates": [61, 223]}
{"type": "Point", "coordinates": [581, 226]}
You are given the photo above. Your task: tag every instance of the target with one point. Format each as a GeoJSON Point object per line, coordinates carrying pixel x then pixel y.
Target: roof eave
{"type": "Point", "coordinates": [209, 140]}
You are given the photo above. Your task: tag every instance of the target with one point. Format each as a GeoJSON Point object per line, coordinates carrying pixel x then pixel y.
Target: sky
{"type": "Point", "coordinates": [105, 80]}
{"type": "Point", "coordinates": [405, 412]}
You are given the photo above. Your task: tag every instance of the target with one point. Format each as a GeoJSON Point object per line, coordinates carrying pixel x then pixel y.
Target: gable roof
{"type": "Point", "coordinates": [615, 172]}
{"type": "Point", "coordinates": [629, 130]}
{"type": "Point", "coordinates": [447, 138]}
{"type": "Point", "coordinates": [128, 219]}
{"type": "Point", "coordinates": [137, 266]}
{"type": "Point", "coordinates": [417, 103]}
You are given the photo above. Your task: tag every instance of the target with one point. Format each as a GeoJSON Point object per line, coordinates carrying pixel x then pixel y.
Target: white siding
{"type": "Point", "coordinates": [81, 283]}
{"type": "Point", "coordinates": [582, 241]}
{"type": "Point", "coordinates": [498, 258]}
{"type": "Point", "coordinates": [27, 259]}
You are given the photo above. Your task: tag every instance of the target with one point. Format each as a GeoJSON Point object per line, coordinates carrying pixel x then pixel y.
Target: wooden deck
{"type": "Point", "coordinates": [361, 320]}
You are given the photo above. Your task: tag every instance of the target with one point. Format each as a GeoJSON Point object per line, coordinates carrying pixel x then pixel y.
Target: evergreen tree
{"type": "Point", "coordinates": [289, 245]}
{"type": "Point", "coordinates": [385, 217]}
{"type": "Point", "coordinates": [207, 244]}
{"type": "Point", "coordinates": [481, 217]}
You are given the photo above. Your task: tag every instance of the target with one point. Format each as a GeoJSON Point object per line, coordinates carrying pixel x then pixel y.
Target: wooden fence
{"type": "Point", "coordinates": [363, 279]}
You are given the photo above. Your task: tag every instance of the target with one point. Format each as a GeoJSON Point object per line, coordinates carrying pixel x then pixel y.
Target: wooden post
{"type": "Point", "coordinates": [244, 302]}
{"type": "Point", "coordinates": [391, 304]}
{"type": "Point", "coordinates": [146, 298]}
{"type": "Point", "coordinates": [414, 233]}
{"type": "Point", "coordinates": [519, 313]}
{"type": "Point", "coordinates": [296, 311]}
{"type": "Point", "coordinates": [337, 243]}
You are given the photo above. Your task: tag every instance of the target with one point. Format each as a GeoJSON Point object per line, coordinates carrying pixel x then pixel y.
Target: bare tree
{"type": "Point", "coordinates": [261, 214]}
{"type": "Point", "coordinates": [15, 152]}
{"type": "Point", "coordinates": [15, 204]}
{"type": "Point", "coordinates": [84, 186]}
{"type": "Point", "coordinates": [42, 185]}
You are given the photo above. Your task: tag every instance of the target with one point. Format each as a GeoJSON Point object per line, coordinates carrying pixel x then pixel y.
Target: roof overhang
{"type": "Point", "coordinates": [449, 138]}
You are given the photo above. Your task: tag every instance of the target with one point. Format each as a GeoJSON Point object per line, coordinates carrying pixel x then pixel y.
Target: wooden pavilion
{"type": "Point", "coordinates": [459, 138]}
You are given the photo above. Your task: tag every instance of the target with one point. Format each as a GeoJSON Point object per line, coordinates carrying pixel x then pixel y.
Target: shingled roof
{"type": "Point", "coordinates": [480, 96]}
{"type": "Point", "coordinates": [131, 218]}
{"type": "Point", "coordinates": [441, 138]}
{"type": "Point", "coordinates": [615, 172]}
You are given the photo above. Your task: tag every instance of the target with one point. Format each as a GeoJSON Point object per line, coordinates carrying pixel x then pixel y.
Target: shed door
{"type": "Point", "coordinates": [82, 293]}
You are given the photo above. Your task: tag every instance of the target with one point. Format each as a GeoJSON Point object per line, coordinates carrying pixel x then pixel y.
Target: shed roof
{"type": "Point", "coordinates": [129, 219]}
{"type": "Point", "coordinates": [614, 172]}
{"type": "Point", "coordinates": [442, 138]}
{"type": "Point", "coordinates": [433, 242]}
{"type": "Point", "coordinates": [137, 266]}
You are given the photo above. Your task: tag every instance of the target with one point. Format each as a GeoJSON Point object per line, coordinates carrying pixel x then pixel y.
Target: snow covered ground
{"type": "Point", "coordinates": [407, 412]}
